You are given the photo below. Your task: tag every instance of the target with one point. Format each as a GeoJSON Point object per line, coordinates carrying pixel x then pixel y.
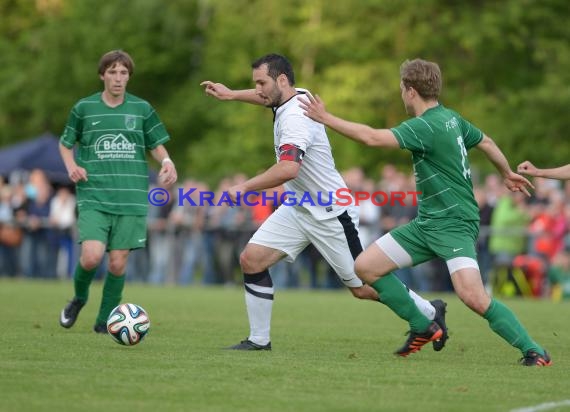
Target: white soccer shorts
{"type": "Point", "coordinates": [291, 229]}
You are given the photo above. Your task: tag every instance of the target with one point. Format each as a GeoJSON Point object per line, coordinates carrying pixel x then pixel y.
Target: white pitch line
{"type": "Point", "coordinates": [543, 406]}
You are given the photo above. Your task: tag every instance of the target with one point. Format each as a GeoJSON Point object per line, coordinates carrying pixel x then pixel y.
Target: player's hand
{"type": "Point", "coordinates": [167, 175]}
{"type": "Point", "coordinates": [235, 191]}
{"type": "Point", "coordinates": [518, 183]}
{"type": "Point", "coordinates": [313, 107]}
{"type": "Point", "coordinates": [77, 173]}
{"type": "Point", "coordinates": [217, 90]}
{"type": "Point", "coordinates": [527, 168]}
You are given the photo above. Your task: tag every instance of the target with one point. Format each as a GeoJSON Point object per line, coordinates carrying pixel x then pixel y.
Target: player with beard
{"type": "Point", "coordinates": [305, 167]}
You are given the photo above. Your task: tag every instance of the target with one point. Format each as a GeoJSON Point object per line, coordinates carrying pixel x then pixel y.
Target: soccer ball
{"type": "Point", "coordinates": [128, 324]}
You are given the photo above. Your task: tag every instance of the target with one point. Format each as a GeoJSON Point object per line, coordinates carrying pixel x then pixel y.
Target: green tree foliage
{"type": "Point", "coordinates": [506, 67]}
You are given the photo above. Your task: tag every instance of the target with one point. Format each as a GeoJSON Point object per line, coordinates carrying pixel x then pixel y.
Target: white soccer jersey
{"type": "Point", "coordinates": [315, 187]}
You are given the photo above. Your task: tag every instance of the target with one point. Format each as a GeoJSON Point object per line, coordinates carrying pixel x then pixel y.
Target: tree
{"type": "Point", "coordinates": [506, 67]}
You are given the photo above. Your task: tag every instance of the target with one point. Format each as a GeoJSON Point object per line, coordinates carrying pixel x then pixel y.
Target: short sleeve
{"type": "Point", "coordinates": [155, 133]}
{"type": "Point", "coordinates": [472, 136]}
{"type": "Point", "coordinates": [414, 135]}
{"type": "Point", "coordinates": [73, 128]}
{"type": "Point", "coordinates": [296, 129]}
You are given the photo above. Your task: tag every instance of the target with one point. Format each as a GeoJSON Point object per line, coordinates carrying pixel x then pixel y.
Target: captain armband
{"type": "Point", "coordinates": [291, 152]}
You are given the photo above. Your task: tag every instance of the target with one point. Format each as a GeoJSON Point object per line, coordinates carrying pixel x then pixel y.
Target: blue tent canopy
{"type": "Point", "coordinates": [39, 153]}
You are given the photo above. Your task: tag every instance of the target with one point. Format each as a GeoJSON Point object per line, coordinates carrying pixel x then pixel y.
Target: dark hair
{"type": "Point", "coordinates": [423, 76]}
{"type": "Point", "coordinates": [276, 65]}
{"type": "Point", "coordinates": [113, 57]}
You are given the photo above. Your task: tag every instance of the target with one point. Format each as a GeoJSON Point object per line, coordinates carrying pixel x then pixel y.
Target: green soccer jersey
{"type": "Point", "coordinates": [439, 140]}
{"type": "Point", "coordinates": [112, 144]}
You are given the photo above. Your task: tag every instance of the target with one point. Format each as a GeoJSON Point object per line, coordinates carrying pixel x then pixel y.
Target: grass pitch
{"type": "Point", "coordinates": [331, 352]}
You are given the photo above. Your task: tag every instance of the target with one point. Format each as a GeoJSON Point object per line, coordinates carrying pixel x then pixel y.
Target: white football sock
{"type": "Point", "coordinates": [259, 313]}
{"type": "Point", "coordinates": [423, 305]}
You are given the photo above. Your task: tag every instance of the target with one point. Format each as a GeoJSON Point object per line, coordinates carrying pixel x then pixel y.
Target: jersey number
{"type": "Point", "coordinates": [463, 150]}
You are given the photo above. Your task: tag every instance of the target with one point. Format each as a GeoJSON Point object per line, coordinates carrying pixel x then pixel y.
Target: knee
{"type": "Point", "coordinates": [117, 268]}
{"type": "Point", "coordinates": [359, 267]}
{"type": "Point", "coordinates": [90, 260]}
{"type": "Point", "coordinates": [364, 272]}
{"type": "Point", "coordinates": [247, 263]}
{"type": "Point", "coordinates": [256, 258]}
{"type": "Point", "coordinates": [118, 262]}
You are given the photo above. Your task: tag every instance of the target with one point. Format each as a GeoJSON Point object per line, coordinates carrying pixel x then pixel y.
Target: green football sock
{"type": "Point", "coordinates": [505, 324]}
{"type": "Point", "coordinates": [393, 294]}
{"type": "Point", "coordinates": [112, 294]}
{"type": "Point", "coordinates": [82, 279]}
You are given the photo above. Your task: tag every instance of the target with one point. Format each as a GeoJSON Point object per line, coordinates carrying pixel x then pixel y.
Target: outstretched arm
{"type": "Point", "coordinates": [314, 108]}
{"type": "Point", "coordinates": [513, 181]}
{"type": "Point", "coordinates": [562, 172]}
{"type": "Point", "coordinates": [222, 92]}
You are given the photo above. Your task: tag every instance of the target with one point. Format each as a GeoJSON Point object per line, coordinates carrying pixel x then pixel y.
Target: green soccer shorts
{"type": "Point", "coordinates": [118, 232]}
{"type": "Point", "coordinates": [444, 238]}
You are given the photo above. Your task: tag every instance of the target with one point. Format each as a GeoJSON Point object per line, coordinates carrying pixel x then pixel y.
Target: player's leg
{"type": "Point", "coordinates": [113, 287]}
{"type": "Point", "coordinates": [278, 236]}
{"type": "Point", "coordinates": [93, 228]}
{"type": "Point", "coordinates": [469, 287]}
{"type": "Point", "coordinates": [455, 243]}
{"type": "Point", "coordinates": [259, 294]}
{"type": "Point", "coordinates": [338, 241]}
{"type": "Point", "coordinates": [127, 233]}
{"type": "Point", "coordinates": [375, 266]}
{"type": "Point", "coordinates": [92, 252]}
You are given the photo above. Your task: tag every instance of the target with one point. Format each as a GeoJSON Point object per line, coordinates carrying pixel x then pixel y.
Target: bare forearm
{"type": "Point", "coordinates": [360, 132]}
{"type": "Point", "coordinates": [159, 153]}
{"type": "Point", "coordinates": [246, 96]}
{"type": "Point", "coordinates": [275, 176]}
{"type": "Point", "coordinates": [495, 155]}
{"type": "Point", "coordinates": [262, 182]}
{"type": "Point", "coordinates": [562, 172]}
{"type": "Point", "coordinates": [67, 156]}
{"type": "Point", "coordinates": [314, 108]}
{"type": "Point", "coordinates": [221, 92]}
{"type": "Point", "coordinates": [500, 162]}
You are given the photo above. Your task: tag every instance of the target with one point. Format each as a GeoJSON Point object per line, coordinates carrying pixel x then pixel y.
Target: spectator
{"type": "Point", "coordinates": [10, 234]}
{"type": "Point", "coordinates": [191, 221]}
{"type": "Point", "coordinates": [40, 243]}
{"type": "Point", "coordinates": [509, 223]}
{"type": "Point", "coordinates": [62, 221]}
{"type": "Point", "coordinates": [161, 243]}
{"type": "Point", "coordinates": [559, 276]}
{"type": "Point", "coordinates": [486, 198]}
